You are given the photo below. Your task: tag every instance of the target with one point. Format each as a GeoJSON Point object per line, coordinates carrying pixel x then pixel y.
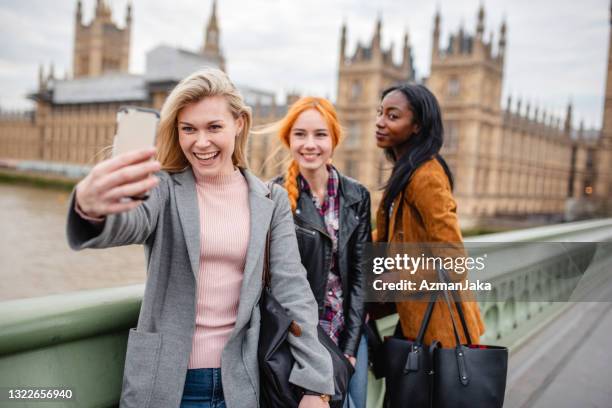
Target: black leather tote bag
{"type": "Point", "coordinates": [274, 354]}
{"type": "Point", "coordinates": [469, 375]}
{"type": "Point", "coordinates": [421, 376]}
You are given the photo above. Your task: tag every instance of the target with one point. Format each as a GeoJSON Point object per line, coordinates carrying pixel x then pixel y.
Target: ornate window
{"type": "Point", "coordinates": [356, 90]}
{"type": "Point", "coordinates": [453, 86]}
{"type": "Point", "coordinates": [353, 137]}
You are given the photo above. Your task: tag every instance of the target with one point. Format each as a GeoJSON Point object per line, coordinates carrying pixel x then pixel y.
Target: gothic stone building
{"type": "Point", "coordinates": [74, 120]}
{"type": "Point", "coordinates": [510, 162]}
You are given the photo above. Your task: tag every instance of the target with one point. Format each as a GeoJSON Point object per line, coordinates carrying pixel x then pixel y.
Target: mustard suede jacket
{"type": "Point", "coordinates": [428, 214]}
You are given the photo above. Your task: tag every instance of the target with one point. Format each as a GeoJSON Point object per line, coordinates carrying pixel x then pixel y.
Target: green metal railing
{"type": "Point", "coordinates": [74, 341]}
{"type": "Point", "coordinates": [78, 340]}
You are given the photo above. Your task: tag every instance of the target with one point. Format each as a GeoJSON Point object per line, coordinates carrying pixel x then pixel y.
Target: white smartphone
{"type": "Point", "coordinates": [136, 130]}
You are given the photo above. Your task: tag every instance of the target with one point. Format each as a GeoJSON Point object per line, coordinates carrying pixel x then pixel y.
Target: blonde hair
{"type": "Point", "coordinates": [327, 110]}
{"type": "Point", "coordinates": [201, 84]}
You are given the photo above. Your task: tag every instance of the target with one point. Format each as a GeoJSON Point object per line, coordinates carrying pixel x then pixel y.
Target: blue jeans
{"type": "Point", "coordinates": [358, 386]}
{"type": "Point", "coordinates": [203, 389]}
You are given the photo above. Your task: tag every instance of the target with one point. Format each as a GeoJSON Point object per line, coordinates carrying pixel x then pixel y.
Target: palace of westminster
{"type": "Point", "coordinates": [511, 162]}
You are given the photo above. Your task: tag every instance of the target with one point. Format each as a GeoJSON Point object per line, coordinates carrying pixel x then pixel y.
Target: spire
{"type": "Point", "coordinates": [212, 22]}
{"type": "Point", "coordinates": [376, 39]}
{"type": "Point", "coordinates": [51, 72]}
{"type": "Point", "coordinates": [435, 50]}
{"type": "Point", "coordinates": [480, 25]}
{"type": "Point", "coordinates": [343, 43]}
{"type": "Point", "coordinates": [528, 110]}
{"type": "Point", "coordinates": [509, 103]}
{"type": "Point", "coordinates": [406, 50]}
{"type": "Point", "coordinates": [211, 35]}
{"type": "Point", "coordinates": [79, 12]}
{"type": "Point", "coordinates": [128, 13]}
{"type": "Point", "coordinates": [518, 106]}
{"type": "Point", "coordinates": [568, 117]}
{"type": "Point", "coordinates": [41, 77]}
{"type": "Point", "coordinates": [502, 41]}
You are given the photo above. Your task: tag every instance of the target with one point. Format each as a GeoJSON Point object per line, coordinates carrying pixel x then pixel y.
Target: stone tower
{"type": "Point", "coordinates": [603, 184]}
{"type": "Point", "coordinates": [211, 46]}
{"type": "Point", "coordinates": [466, 77]}
{"type": "Point", "coordinates": [101, 46]}
{"type": "Point", "coordinates": [362, 77]}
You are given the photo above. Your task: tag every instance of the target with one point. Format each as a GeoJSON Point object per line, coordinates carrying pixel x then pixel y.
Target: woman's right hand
{"type": "Point", "coordinates": [102, 191]}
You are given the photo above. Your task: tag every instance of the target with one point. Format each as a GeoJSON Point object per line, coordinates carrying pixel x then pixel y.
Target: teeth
{"type": "Point", "coordinates": [205, 156]}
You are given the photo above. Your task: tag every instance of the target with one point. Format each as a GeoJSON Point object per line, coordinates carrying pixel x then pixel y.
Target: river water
{"type": "Point", "coordinates": [35, 259]}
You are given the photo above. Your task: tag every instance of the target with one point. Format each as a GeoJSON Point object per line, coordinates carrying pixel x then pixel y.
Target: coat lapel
{"type": "Point", "coordinates": [260, 210]}
{"type": "Point", "coordinates": [189, 215]}
{"type": "Point", "coordinates": [348, 216]}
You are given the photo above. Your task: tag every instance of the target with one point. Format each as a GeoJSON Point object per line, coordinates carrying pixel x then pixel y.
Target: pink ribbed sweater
{"type": "Point", "coordinates": [224, 235]}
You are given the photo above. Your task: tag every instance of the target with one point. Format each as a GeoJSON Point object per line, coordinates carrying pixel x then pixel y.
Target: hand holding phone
{"type": "Point", "coordinates": [103, 191]}
{"type": "Point", "coordinates": [136, 130]}
{"type": "Point", "coordinates": [121, 183]}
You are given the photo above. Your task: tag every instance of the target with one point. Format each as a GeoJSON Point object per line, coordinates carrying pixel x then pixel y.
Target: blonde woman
{"type": "Point", "coordinates": [204, 231]}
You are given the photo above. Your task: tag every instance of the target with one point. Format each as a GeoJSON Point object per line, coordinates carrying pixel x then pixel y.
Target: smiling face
{"type": "Point", "coordinates": [310, 141]}
{"type": "Point", "coordinates": [395, 122]}
{"type": "Point", "coordinates": [207, 135]}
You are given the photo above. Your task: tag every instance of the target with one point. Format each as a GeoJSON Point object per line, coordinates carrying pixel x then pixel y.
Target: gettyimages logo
{"type": "Point", "coordinates": [411, 264]}
{"type": "Point", "coordinates": [489, 272]}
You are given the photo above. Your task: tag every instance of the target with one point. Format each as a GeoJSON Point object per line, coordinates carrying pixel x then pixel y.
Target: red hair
{"type": "Point", "coordinates": [328, 112]}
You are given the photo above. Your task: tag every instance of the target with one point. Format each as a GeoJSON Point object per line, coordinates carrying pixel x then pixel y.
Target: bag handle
{"type": "Point", "coordinates": [464, 377]}
{"type": "Point", "coordinates": [426, 318]}
{"type": "Point", "coordinates": [442, 275]}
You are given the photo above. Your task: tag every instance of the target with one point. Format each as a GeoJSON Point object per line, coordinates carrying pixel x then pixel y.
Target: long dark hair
{"type": "Point", "coordinates": [421, 146]}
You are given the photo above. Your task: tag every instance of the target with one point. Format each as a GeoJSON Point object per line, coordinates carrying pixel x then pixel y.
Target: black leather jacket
{"type": "Point", "coordinates": [316, 252]}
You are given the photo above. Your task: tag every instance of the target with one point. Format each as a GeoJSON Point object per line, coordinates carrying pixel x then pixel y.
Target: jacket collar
{"type": "Point", "coordinates": [261, 209]}
{"type": "Point", "coordinates": [349, 195]}
{"type": "Point", "coordinates": [348, 190]}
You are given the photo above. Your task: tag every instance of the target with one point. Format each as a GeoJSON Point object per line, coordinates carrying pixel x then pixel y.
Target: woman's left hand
{"type": "Point", "coordinates": [352, 359]}
{"type": "Point", "coordinates": [313, 401]}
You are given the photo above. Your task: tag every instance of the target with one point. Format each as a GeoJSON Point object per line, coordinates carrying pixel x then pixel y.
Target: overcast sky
{"type": "Point", "coordinates": [556, 49]}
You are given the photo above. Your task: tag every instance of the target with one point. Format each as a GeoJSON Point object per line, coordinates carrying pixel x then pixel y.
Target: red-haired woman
{"type": "Point", "coordinates": [332, 221]}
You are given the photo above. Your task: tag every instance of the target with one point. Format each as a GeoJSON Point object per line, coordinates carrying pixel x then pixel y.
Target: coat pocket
{"type": "Point", "coordinates": [141, 363]}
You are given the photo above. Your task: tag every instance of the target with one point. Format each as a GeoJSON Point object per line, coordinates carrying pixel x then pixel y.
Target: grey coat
{"type": "Point", "coordinates": [159, 347]}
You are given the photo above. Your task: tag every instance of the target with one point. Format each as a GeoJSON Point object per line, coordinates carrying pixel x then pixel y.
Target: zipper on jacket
{"type": "Point", "coordinates": [304, 230]}
{"type": "Point", "coordinates": [314, 227]}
